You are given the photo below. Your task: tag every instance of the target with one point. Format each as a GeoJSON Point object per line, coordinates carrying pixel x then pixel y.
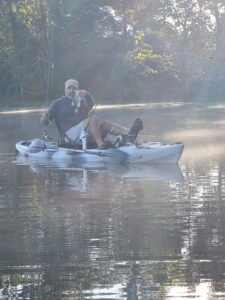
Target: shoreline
{"type": "Point", "coordinates": [163, 104]}
{"type": "Point", "coordinates": [21, 106]}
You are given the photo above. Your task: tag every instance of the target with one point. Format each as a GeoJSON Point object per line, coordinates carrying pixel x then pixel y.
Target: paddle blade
{"type": "Point", "coordinates": [113, 155]}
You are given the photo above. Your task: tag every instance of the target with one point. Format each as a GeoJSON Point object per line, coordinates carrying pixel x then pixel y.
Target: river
{"type": "Point", "coordinates": [116, 232]}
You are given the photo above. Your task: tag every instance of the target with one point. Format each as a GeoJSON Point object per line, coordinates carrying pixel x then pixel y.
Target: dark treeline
{"type": "Point", "coordinates": [120, 50]}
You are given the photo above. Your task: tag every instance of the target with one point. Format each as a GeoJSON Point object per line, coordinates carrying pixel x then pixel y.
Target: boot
{"type": "Point", "coordinates": [134, 130]}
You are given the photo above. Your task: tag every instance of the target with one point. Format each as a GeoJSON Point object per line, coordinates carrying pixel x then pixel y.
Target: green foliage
{"type": "Point", "coordinates": [122, 50]}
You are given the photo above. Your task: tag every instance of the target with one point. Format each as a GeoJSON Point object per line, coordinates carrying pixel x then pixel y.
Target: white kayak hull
{"type": "Point", "coordinates": [146, 152]}
{"type": "Point", "coordinates": [153, 153]}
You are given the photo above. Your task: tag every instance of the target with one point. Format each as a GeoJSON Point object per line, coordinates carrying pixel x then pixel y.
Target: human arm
{"type": "Point", "coordinates": [48, 115]}
{"type": "Point", "coordinates": [87, 101]}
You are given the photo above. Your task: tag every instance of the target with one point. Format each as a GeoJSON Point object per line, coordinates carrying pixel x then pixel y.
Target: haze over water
{"type": "Point", "coordinates": [116, 232]}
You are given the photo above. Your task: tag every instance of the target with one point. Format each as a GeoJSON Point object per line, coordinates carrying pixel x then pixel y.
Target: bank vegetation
{"type": "Point", "coordinates": [120, 50]}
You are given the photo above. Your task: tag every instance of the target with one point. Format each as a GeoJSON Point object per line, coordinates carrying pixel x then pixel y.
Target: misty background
{"type": "Point", "coordinates": [122, 51]}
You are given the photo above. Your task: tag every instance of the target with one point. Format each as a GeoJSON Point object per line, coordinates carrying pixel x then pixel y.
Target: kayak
{"type": "Point", "coordinates": [143, 152]}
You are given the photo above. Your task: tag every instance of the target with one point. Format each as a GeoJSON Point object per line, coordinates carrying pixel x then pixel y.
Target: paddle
{"type": "Point", "coordinates": [111, 155]}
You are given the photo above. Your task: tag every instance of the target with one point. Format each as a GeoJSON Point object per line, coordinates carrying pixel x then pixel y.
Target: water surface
{"type": "Point", "coordinates": [116, 232]}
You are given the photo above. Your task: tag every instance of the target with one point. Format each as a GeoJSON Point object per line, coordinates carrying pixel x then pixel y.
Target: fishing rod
{"type": "Point", "coordinates": [45, 135]}
{"type": "Point", "coordinates": [84, 131]}
{"type": "Point", "coordinates": [89, 119]}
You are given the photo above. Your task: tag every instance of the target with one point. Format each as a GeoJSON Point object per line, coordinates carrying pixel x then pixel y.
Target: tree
{"type": "Point", "coordinates": [114, 48]}
{"type": "Point", "coordinates": [25, 50]}
{"type": "Point", "coordinates": [215, 70]}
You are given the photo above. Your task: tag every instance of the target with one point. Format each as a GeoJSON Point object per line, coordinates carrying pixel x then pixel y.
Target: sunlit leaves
{"type": "Point", "coordinates": [149, 63]}
{"type": "Point", "coordinates": [87, 39]}
{"type": "Point", "coordinates": [139, 35]}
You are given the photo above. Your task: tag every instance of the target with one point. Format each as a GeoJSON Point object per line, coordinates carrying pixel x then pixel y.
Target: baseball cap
{"type": "Point", "coordinates": [72, 82]}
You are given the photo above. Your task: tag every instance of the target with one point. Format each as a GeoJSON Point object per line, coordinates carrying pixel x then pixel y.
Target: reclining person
{"type": "Point", "coordinates": [71, 115]}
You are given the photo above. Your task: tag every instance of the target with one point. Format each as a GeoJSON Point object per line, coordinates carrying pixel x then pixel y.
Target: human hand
{"type": "Point", "coordinates": [83, 93]}
{"type": "Point", "coordinates": [44, 120]}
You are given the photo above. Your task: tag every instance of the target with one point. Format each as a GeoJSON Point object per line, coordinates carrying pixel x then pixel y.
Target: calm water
{"type": "Point", "coordinates": [116, 232]}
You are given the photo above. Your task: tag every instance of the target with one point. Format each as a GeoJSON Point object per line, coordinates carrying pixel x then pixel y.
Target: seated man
{"type": "Point", "coordinates": [71, 115]}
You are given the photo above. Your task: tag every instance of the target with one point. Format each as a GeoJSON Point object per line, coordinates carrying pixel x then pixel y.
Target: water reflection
{"type": "Point", "coordinates": [76, 233]}
{"type": "Point", "coordinates": [73, 232]}
{"type": "Point", "coordinates": [160, 243]}
{"type": "Point", "coordinates": [162, 172]}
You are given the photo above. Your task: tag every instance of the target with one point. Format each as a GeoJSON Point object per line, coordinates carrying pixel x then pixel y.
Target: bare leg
{"type": "Point", "coordinates": [99, 131]}
{"type": "Point", "coordinates": [95, 129]}
{"type": "Point", "coordinates": [113, 128]}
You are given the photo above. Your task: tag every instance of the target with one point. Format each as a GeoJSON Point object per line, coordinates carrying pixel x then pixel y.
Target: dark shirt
{"type": "Point", "coordinates": [67, 115]}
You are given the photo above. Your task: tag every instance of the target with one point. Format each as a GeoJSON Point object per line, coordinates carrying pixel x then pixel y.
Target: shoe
{"type": "Point", "coordinates": [112, 139]}
{"type": "Point", "coordinates": [105, 145]}
{"type": "Point", "coordinates": [134, 130]}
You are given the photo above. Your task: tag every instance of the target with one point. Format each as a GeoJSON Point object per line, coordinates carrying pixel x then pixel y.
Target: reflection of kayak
{"type": "Point", "coordinates": [126, 172]}
{"type": "Point", "coordinates": [146, 152]}
{"type": "Point", "coordinates": [162, 172]}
